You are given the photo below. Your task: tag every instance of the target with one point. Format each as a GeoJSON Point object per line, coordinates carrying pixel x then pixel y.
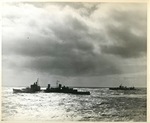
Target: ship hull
{"type": "Point", "coordinates": [23, 91]}
{"type": "Point", "coordinates": [67, 92]}
{"type": "Point", "coordinates": [121, 88]}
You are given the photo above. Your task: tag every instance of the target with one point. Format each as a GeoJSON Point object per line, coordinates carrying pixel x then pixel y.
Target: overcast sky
{"type": "Point", "coordinates": [80, 44]}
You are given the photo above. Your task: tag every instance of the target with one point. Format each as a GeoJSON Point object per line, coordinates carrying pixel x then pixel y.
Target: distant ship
{"type": "Point", "coordinates": [122, 88]}
{"type": "Point", "coordinates": [64, 89]}
{"type": "Point", "coordinates": [32, 89]}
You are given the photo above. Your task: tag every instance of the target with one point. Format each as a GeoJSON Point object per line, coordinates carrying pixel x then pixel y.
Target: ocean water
{"type": "Point", "coordinates": [102, 105]}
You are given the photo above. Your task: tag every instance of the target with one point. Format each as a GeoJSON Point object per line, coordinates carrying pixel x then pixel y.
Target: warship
{"type": "Point", "coordinates": [64, 89]}
{"type": "Point", "coordinates": [32, 89]}
{"type": "Point", "coordinates": [122, 88]}
{"type": "Point", "coordinates": [58, 89]}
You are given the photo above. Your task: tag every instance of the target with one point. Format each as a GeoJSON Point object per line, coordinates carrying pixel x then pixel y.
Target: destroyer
{"type": "Point", "coordinates": [32, 89]}
{"type": "Point", "coordinates": [122, 88]}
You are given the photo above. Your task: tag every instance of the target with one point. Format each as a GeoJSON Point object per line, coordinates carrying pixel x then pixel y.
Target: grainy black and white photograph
{"type": "Point", "coordinates": [74, 61]}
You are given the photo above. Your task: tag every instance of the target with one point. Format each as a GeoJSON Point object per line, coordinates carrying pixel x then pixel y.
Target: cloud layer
{"type": "Point", "coordinates": [74, 39]}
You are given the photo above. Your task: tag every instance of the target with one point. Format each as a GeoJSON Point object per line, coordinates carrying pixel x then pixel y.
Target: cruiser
{"type": "Point", "coordinates": [64, 89]}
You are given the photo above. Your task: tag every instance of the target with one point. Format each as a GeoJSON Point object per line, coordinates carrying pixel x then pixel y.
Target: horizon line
{"type": "Point", "coordinates": [79, 86]}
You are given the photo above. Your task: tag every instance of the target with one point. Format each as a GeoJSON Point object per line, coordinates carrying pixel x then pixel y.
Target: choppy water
{"type": "Point", "coordinates": [102, 105]}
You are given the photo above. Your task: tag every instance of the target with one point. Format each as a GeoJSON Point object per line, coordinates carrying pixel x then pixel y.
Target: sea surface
{"type": "Point", "coordinates": [102, 105]}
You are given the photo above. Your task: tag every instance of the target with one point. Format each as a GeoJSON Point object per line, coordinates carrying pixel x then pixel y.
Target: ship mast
{"type": "Point", "coordinates": [37, 81]}
{"type": "Point", "coordinates": [57, 83]}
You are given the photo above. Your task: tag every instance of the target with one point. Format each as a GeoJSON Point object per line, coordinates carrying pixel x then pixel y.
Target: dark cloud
{"type": "Point", "coordinates": [129, 37]}
{"type": "Point", "coordinates": [126, 44]}
{"type": "Point", "coordinates": [77, 65]}
{"type": "Point", "coordinates": [67, 58]}
{"type": "Point", "coordinates": [80, 65]}
{"type": "Point", "coordinates": [64, 42]}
